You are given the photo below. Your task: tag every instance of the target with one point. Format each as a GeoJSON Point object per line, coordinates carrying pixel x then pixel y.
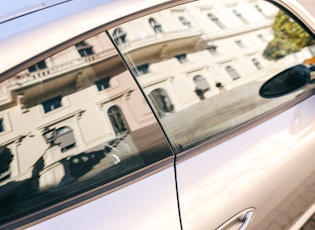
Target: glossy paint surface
{"type": "Point", "coordinates": [264, 168]}
{"type": "Point", "coordinates": [148, 204]}
{"type": "Point", "coordinates": [258, 169]}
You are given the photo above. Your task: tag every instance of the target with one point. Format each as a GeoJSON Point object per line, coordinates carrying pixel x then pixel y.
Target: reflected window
{"type": "Point", "coordinates": [84, 49]}
{"type": "Point", "coordinates": [161, 101]}
{"type": "Point", "coordinates": [258, 8]}
{"type": "Point", "coordinates": [182, 58]}
{"type": "Point", "coordinates": [6, 158]}
{"type": "Point", "coordinates": [85, 140]}
{"type": "Point", "coordinates": [232, 72]}
{"type": "Point", "coordinates": [38, 66]}
{"type": "Point", "coordinates": [155, 25]}
{"type": "Point", "coordinates": [257, 63]}
{"type": "Point", "coordinates": [261, 10]}
{"type": "Point", "coordinates": [117, 120]}
{"type": "Point", "coordinates": [201, 83]}
{"type": "Point", "coordinates": [240, 43]}
{"type": "Point", "coordinates": [216, 20]}
{"type": "Point", "coordinates": [119, 35]}
{"type": "Point", "coordinates": [65, 138]}
{"type": "Point", "coordinates": [262, 37]}
{"type": "Point", "coordinates": [102, 84]}
{"type": "Point", "coordinates": [52, 104]}
{"type": "Point", "coordinates": [142, 69]}
{"type": "Point", "coordinates": [240, 16]}
{"type": "Point", "coordinates": [1, 125]}
{"type": "Point", "coordinates": [185, 22]}
{"type": "Point", "coordinates": [213, 49]}
{"type": "Point", "coordinates": [225, 102]}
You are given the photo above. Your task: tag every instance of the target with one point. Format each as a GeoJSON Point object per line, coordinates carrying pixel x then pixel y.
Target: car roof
{"type": "Point", "coordinates": [27, 16]}
{"type": "Point", "coordinates": [29, 33]}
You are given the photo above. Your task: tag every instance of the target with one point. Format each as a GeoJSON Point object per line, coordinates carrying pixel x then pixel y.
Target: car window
{"type": "Point", "coordinates": [201, 64]}
{"type": "Point", "coordinates": [71, 123]}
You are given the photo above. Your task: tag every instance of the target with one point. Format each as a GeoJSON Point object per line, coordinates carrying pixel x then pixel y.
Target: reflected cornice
{"type": "Point", "coordinates": [161, 45]}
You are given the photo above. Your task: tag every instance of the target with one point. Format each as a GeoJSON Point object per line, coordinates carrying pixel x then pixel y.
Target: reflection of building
{"type": "Point", "coordinates": [83, 93]}
{"type": "Point", "coordinates": [200, 44]}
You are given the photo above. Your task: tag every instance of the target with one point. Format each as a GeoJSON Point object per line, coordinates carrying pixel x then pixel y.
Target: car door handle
{"type": "Point", "coordinates": [240, 221]}
{"type": "Point", "coordinates": [246, 220]}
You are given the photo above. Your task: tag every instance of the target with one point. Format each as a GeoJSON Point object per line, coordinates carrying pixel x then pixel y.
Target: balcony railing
{"type": "Point", "coordinates": [158, 38]}
{"type": "Point", "coordinates": [61, 68]}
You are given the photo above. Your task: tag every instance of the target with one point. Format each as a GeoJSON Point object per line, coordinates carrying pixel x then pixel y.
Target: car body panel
{"type": "Point", "coordinates": [269, 163]}
{"type": "Point", "coordinates": [305, 16]}
{"type": "Point", "coordinates": [266, 166]}
{"type": "Point", "coordinates": [148, 204]}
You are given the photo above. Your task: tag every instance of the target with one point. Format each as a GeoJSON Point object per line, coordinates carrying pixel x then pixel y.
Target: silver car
{"type": "Point", "coordinates": [157, 115]}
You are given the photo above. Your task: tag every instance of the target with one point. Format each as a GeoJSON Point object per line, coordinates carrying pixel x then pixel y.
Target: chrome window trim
{"type": "Point", "coordinates": [30, 9]}
{"type": "Point", "coordinates": [287, 7]}
{"type": "Point", "coordinates": [297, 11]}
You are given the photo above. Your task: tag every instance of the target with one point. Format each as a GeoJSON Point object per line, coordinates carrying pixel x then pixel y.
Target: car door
{"type": "Point", "coordinates": [242, 160]}
{"type": "Point", "coordinates": [80, 147]}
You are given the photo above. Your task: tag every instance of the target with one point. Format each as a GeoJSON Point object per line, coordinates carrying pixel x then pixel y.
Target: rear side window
{"type": "Point", "coordinates": [71, 123]}
{"type": "Point", "coordinates": [206, 61]}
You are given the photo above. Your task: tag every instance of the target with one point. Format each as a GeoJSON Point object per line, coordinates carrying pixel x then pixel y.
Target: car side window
{"type": "Point", "coordinates": [71, 123]}
{"type": "Point", "coordinates": [202, 68]}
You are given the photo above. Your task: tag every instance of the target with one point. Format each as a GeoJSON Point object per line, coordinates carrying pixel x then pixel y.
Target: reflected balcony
{"type": "Point", "coordinates": [27, 79]}
{"type": "Point", "coordinates": [29, 83]}
{"type": "Point", "coordinates": [161, 45]}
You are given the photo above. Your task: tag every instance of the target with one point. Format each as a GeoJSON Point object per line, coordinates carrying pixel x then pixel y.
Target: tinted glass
{"type": "Point", "coordinates": [71, 123]}
{"type": "Point", "coordinates": [229, 48]}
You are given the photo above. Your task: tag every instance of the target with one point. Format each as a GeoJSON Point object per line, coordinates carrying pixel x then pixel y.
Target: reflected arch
{"type": "Point", "coordinates": [117, 120]}
{"type": "Point", "coordinates": [161, 101]}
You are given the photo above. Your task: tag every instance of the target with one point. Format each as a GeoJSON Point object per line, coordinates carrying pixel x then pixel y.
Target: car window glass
{"type": "Point", "coordinates": [201, 64]}
{"type": "Point", "coordinates": [70, 123]}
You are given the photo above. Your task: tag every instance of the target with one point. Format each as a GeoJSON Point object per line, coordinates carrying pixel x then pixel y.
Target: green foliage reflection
{"type": "Point", "coordinates": [289, 37]}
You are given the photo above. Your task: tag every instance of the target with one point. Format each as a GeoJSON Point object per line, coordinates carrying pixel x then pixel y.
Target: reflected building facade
{"type": "Point", "coordinates": [209, 46]}
{"type": "Point", "coordinates": [202, 68]}
{"type": "Point", "coordinates": [85, 96]}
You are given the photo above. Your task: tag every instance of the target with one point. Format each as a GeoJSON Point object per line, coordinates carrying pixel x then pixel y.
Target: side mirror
{"type": "Point", "coordinates": [286, 82]}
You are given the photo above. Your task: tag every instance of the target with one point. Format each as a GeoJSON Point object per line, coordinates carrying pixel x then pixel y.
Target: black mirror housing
{"type": "Point", "coordinates": [286, 82]}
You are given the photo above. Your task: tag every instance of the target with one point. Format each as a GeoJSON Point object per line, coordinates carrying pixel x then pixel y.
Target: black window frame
{"type": "Point", "coordinates": [52, 104]}
{"type": "Point", "coordinates": [103, 84]}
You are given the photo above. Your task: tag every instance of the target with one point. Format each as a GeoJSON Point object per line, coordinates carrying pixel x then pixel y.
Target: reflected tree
{"type": "Point", "coordinates": [289, 37]}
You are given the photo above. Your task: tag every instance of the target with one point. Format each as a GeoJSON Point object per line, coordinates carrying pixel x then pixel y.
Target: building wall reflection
{"type": "Point", "coordinates": [83, 93]}
{"type": "Point", "coordinates": [87, 94]}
